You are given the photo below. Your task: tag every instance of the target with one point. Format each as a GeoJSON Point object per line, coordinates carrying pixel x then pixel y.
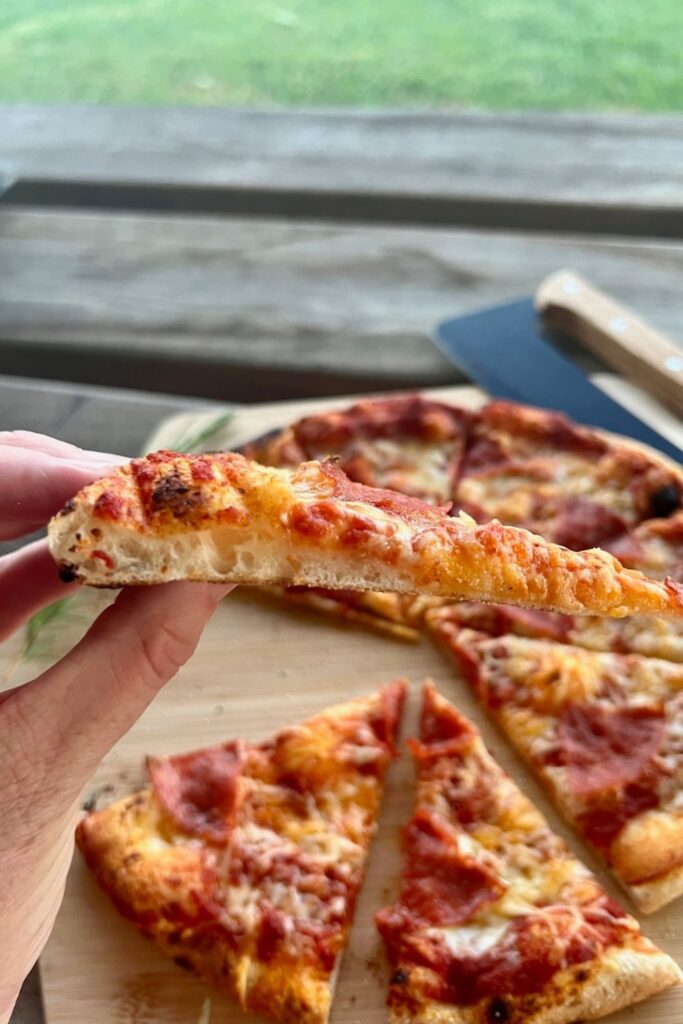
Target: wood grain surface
{"type": "Point", "coordinates": [260, 666]}
{"type": "Point", "coordinates": [249, 310]}
{"type": "Point", "coordinates": [555, 172]}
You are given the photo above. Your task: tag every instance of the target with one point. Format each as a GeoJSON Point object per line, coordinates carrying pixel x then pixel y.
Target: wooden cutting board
{"type": "Point", "coordinates": [259, 667]}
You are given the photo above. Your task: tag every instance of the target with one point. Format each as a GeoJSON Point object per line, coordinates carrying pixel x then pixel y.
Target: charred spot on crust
{"type": "Point", "coordinates": [399, 977]}
{"type": "Point", "coordinates": [498, 1012]}
{"type": "Point", "coordinates": [68, 572]}
{"type": "Point", "coordinates": [173, 494]}
{"type": "Point", "coordinates": [69, 507]}
{"type": "Point", "coordinates": [582, 975]}
{"type": "Point", "coordinates": [665, 500]}
{"type": "Point", "coordinates": [182, 961]}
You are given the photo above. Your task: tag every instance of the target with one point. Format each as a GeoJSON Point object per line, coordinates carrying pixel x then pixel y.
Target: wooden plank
{"type": "Point", "coordinates": [98, 418]}
{"type": "Point", "coordinates": [245, 310]}
{"type": "Point", "coordinates": [621, 174]}
{"type": "Point", "coordinates": [96, 969]}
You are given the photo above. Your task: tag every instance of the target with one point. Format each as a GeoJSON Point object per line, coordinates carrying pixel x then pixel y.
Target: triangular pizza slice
{"type": "Point", "coordinates": [604, 732]}
{"type": "Point", "coordinates": [243, 862]}
{"type": "Point", "coordinates": [223, 518]}
{"type": "Point", "coordinates": [496, 921]}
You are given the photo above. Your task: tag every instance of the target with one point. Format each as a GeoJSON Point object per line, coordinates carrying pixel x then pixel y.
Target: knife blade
{"type": "Point", "coordinates": [503, 349]}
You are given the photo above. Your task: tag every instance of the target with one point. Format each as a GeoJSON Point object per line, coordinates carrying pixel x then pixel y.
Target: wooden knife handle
{"type": "Point", "coordinates": [567, 302]}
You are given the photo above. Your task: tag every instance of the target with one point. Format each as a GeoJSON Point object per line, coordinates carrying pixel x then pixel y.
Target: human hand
{"type": "Point", "coordinates": [55, 730]}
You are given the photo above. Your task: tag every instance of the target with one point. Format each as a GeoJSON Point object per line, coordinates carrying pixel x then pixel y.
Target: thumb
{"type": "Point", "coordinates": [59, 727]}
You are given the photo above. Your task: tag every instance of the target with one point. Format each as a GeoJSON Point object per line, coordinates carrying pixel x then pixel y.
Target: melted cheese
{"type": "Point", "coordinates": [473, 940]}
{"type": "Point", "coordinates": [422, 470]}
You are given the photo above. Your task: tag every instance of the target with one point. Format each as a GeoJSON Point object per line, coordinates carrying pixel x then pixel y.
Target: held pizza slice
{"type": "Point", "coordinates": [243, 862]}
{"type": "Point", "coordinates": [223, 518]}
{"type": "Point", "coordinates": [604, 733]}
{"type": "Point", "coordinates": [496, 921]}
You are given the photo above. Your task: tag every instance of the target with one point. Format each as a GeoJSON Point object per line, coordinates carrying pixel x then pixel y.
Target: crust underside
{"type": "Point", "coordinates": [623, 977]}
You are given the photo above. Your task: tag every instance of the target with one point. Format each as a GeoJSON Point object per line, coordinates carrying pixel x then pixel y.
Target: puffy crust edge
{"type": "Point", "coordinates": [650, 896]}
{"type": "Point", "coordinates": [622, 977]}
{"type": "Point", "coordinates": [648, 853]}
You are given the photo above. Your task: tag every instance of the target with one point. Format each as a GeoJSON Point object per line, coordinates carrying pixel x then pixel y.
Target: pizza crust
{"type": "Point", "coordinates": [620, 978]}
{"type": "Point", "coordinates": [652, 895]}
{"type": "Point", "coordinates": [648, 845]}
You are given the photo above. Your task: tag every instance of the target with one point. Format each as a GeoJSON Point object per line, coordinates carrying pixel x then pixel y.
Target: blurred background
{"type": "Point", "coordinates": [497, 54]}
{"type": "Point", "coordinates": [258, 200]}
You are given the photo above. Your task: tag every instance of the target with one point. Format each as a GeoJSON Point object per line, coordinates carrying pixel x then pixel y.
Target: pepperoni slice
{"type": "Point", "coordinates": [409, 509]}
{"type": "Point", "coordinates": [606, 748]}
{"type": "Point", "coordinates": [630, 551]}
{"type": "Point", "coordinates": [485, 453]}
{"type": "Point", "coordinates": [199, 791]}
{"type": "Point", "coordinates": [441, 885]}
{"type": "Point", "coordinates": [584, 524]}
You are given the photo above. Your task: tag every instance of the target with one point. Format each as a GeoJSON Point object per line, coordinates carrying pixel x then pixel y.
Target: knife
{"type": "Point", "coordinates": [505, 350]}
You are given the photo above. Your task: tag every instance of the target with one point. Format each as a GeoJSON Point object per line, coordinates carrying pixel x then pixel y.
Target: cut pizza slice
{"type": "Point", "coordinates": [243, 862]}
{"type": "Point", "coordinates": [223, 518]}
{"type": "Point", "coordinates": [603, 731]}
{"type": "Point", "coordinates": [496, 921]}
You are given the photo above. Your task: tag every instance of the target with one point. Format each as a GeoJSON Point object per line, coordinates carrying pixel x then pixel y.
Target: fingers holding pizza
{"type": "Point", "coordinates": [57, 728]}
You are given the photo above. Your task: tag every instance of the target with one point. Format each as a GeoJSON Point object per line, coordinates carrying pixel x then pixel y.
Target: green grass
{"type": "Point", "coordinates": [542, 54]}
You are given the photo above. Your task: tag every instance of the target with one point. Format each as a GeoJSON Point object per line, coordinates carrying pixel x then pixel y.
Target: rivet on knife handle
{"type": "Point", "coordinates": [613, 332]}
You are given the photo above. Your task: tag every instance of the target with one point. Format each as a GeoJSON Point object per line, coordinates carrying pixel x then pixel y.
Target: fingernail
{"type": "Point", "coordinates": [97, 464]}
